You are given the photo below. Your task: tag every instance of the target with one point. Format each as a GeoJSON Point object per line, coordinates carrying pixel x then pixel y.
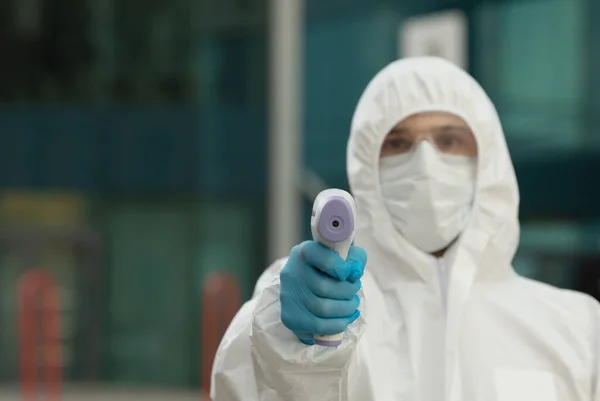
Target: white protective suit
{"type": "Point", "coordinates": [462, 328]}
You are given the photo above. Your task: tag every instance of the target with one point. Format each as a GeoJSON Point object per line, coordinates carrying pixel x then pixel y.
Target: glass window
{"type": "Point", "coordinates": [530, 57]}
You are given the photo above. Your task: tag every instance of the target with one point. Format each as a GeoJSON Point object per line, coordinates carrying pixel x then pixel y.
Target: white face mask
{"type": "Point", "coordinates": [428, 194]}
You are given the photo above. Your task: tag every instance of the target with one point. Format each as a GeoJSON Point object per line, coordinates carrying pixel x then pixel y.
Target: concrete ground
{"type": "Point", "coordinates": [95, 393]}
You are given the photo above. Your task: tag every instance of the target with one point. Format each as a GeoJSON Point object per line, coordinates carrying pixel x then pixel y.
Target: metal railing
{"type": "Point", "coordinates": [39, 321]}
{"type": "Point", "coordinates": [221, 299]}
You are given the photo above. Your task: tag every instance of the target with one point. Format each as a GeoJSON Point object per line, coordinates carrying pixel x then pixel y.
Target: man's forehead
{"type": "Point", "coordinates": [429, 119]}
{"type": "Point", "coordinates": [430, 122]}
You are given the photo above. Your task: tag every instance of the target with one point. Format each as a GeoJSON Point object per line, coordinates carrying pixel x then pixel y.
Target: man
{"type": "Point", "coordinates": [442, 315]}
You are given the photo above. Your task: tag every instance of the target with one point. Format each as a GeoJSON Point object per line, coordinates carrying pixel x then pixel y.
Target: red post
{"type": "Point", "coordinates": [221, 299]}
{"type": "Point", "coordinates": [35, 285]}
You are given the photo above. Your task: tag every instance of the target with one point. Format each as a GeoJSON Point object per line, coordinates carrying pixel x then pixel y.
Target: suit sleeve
{"type": "Point", "coordinates": [259, 359]}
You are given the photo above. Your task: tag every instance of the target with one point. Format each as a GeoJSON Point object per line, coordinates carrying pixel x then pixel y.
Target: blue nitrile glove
{"type": "Point", "coordinates": [318, 291]}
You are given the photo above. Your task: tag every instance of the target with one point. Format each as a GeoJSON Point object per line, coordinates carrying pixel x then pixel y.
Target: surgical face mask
{"type": "Point", "coordinates": [428, 194]}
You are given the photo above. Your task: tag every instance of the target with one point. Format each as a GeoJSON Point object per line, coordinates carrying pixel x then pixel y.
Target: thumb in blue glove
{"type": "Point", "coordinates": [318, 290]}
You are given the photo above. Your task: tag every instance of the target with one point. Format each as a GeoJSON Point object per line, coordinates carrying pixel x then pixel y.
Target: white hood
{"type": "Point", "coordinates": [411, 86]}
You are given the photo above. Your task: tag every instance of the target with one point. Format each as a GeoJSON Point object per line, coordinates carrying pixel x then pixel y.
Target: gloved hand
{"type": "Point", "coordinates": [318, 291]}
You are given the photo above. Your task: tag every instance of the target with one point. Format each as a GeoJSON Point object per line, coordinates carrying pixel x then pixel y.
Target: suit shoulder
{"type": "Point", "coordinates": [267, 277]}
{"type": "Point", "coordinates": [573, 305]}
{"type": "Point", "coordinates": [560, 294]}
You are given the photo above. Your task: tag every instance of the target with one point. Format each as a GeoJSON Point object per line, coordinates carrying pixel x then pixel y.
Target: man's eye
{"type": "Point", "coordinates": [398, 144]}
{"type": "Point", "coordinates": [448, 141]}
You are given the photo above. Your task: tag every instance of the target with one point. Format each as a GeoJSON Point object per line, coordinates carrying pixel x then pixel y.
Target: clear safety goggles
{"type": "Point", "coordinates": [454, 140]}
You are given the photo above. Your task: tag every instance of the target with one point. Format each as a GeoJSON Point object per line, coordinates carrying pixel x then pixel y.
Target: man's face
{"type": "Point", "coordinates": [447, 132]}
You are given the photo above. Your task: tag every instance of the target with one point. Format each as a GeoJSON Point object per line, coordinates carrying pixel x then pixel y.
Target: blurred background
{"type": "Point", "coordinates": [141, 150]}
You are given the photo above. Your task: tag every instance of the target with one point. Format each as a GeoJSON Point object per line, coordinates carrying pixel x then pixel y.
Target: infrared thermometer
{"type": "Point", "coordinates": [332, 225]}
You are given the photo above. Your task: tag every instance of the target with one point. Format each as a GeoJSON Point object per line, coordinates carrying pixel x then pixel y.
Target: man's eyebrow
{"type": "Point", "coordinates": [450, 127]}
{"type": "Point", "coordinates": [399, 131]}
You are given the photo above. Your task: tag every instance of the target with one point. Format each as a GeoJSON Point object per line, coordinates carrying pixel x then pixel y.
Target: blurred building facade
{"type": "Point", "coordinates": [135, 131]}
